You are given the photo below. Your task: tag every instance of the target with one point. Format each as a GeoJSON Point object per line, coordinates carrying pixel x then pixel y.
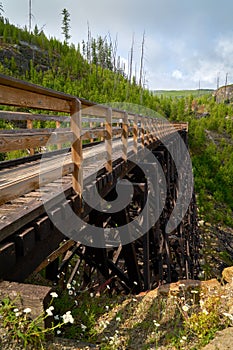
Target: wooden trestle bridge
{"type": "Point", "coordinates": [87, 139]}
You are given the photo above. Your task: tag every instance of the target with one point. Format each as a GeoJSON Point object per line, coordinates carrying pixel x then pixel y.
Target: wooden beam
{"type": "Point", "coordinates": [17, 116]}
{"type": "Point", "coordinates": [15, 97]}
{"type": "Point", "coordinates": [22, 140]}
{"type": "Point", "coordinates": [135, 134]}
{"type": "Point", "coordinates": [76, 149]}
{"type": "Point", "coordinates": [108, 140]}
{"type": "Point", "coordinates": [125, 134]}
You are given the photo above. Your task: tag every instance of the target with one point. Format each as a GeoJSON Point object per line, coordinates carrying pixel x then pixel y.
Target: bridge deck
{"type": "Point", "coordinates": [37, 190]}
{"type": "Point", "coordinates": [21, 188]}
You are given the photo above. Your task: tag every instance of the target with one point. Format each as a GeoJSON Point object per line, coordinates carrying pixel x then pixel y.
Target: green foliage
{"type": "Point", "coordinates": [92, 71]}
{"type": "Point", "coordinates": [24, 330]}
{"type": "Point", "coordinates": [66, 25]}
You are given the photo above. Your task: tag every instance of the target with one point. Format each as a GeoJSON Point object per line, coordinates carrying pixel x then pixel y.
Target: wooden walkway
{"type": "Point", "coordinates": [89, 146]}
{"type": "Point", "coordinates": [113, 135]}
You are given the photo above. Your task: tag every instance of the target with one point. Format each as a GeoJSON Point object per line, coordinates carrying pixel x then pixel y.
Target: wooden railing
{"type": "Point", "coordinates": [81, 120]}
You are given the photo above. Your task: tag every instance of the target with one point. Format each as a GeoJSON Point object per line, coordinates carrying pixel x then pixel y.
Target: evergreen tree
{"type": "Point", "coordinates": [66, 25]}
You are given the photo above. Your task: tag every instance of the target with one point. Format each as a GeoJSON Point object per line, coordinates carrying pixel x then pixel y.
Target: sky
{"type": "Point", "coordinates": [188, 43]}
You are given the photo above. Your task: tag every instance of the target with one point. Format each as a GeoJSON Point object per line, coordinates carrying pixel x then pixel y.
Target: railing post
{"type": "Point", "coordinates": [143, 131]}
{"type": "Point", "coordinates": [76, 149]}
{"type": "Point", "coordinates": [108, 140]}
{"type": "Point", "coordinates": [135, 134]}
{"type": "Point", "coordinates": [30, 126]}
{"type": "Point", "coordinates": [91, 126]}
{"type": "Point", "coordinates": [125, 134]}
{"type": "Point", "coordinates": [58, 125]}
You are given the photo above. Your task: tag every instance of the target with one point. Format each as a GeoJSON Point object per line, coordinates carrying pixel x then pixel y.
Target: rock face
{"type": "Point", "coordinates": [227, 274]}
{"type": "Point", "coordinates": [222, 341]}
{"type": "Point", "coordinates": [224, 94]}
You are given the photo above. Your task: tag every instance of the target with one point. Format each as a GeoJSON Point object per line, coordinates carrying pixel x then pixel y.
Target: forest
{"type": "Point", "coordinates": [93, 70]}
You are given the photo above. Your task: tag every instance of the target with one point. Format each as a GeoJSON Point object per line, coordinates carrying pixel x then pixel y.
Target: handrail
{"type": "Point", "coordinates": [103, 122]}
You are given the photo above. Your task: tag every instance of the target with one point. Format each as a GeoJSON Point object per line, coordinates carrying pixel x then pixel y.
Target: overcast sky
{"type": "Point", "coordinates": [186, 41]}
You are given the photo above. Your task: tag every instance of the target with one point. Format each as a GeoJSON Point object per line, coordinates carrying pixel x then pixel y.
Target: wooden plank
{"type": "Point", "coordinates": [25, 184]}
{"type": "Point", "coordinates": [135, 134]}
{"type": "Point", "coordinates": [25, 241]}
{"type": "Point", "coordinates": [42, 228]}
{"type": "Point", "coordinates": [108, 140]}
{"type": "Point", "coordinates": [17, 219]}
{"type": "Point", "coordinates": [26, 86]}
{"type": "Point", "coordinates": [125, 135]}
{"type": "Point", "coordinates": [17, 116]}
{"type": "Point", "coordinates": [58, 252]}
{"type": "Point", "coordinates": [15, 97]}
{"type": "Point", "coordinates": [30, 126]}
{"type": "Point", "coordinates": [24, 140]}
{"type": "Point", "coordinates": [76, 149]}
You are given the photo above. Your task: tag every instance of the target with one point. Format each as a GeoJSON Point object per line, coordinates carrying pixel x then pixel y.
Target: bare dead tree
{"type": "Point", "coordinates": [30, 16]}
{"type": "Point", "coordinates": [142, 58]}
{"type": "Point", "coordinates": [131, 59]}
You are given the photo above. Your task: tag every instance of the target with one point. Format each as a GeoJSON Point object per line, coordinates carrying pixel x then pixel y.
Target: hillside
{"type": "Point", "coordinates": [93, 71]}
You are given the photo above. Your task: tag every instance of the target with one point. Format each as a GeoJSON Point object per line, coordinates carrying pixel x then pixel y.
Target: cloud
{"type": "Point", "coordinates": [177, 74]}
{"type": "Point", "coordinates": [185, 41]}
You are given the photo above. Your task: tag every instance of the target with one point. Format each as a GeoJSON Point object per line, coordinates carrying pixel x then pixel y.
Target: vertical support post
{"type": "Point", "coordinates": [125, 134]}
{"type": "Point", "coordinates": [76, 149]}
{"type": "Point", "coordinates": [91, 126]}
{"type": "Point", "coordinates": [146, 249]}
{"type": "Point", "coordinates": [150, 130]}
{"type": "Point", "coordinates": [147, 130]}
{"type": "Point", "coordinates": [101, 125]}
{"type": "Point", "coordinates": [108, 140]}
{"type": "Point", "coordinates": [58, 125]}
{"type": "Point", "coordinates": [135, 134]}
{"type": "Point", "coordinates": [30, 126]}
{"type": "Point", "coordinates": [142, 132]}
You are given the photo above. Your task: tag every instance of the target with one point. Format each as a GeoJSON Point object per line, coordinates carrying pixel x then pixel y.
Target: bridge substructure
{"type": "Point", "coordinates": [93, 148]}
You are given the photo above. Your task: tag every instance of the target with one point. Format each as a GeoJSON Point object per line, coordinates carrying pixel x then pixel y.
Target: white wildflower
{"type": "Point", "coordinates": [181, 285]}
{"type": "Point", "coordinates": [67, 317]}
{"type": "Point", "coordinates": [56, 317]}
{"type": "Point", "coordinates": [54, 295]}
{"type": "Point", "coordinates": [108, 286]}
{"type": "Point", "coordinates": [17, 314]}
{"type": "Point", "coordinates": [27, 310]}
{"type": "Point", "coordinates": [194, 291]}
{"type": "Point", "coordinates": [91, 295]}
{"type": "Point", "coordinates": [228, 315]}
{"type": "Point", "coordinates": [184, 338]}
{"type": "Point", "coordinates": [58, 332]}
{"type": "Point", "coordinates": [107, 307]}
{"type": "Point", "coordinates": [118, 319]}
{"type": "Point", "coordinates": [205, 311]}
{"type": "Point", "coordinates": [83, 327]}
{"type": "Point", "coordinates": [202, 303]}
{"type": "Point", "coordinates": [71, 292]}
{"type": "Point", "coordinates": [16, 310]}
{"type": "Point", "coordinates": [156, 323]}
{"type": "Point", "coordinates": [136, 283]}
{"type": "Point", "coordinates": [49, 312]}
{"type": "Point", "coordinates": [68, 286]}
{"type": "Point", "coordinates": [185, 307]}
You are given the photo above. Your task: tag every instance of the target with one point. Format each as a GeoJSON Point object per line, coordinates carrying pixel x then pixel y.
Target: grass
{"type": "Point", "coordinates": [182, 93]}
{"type": "Point", "coordinates": [186, 319]}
